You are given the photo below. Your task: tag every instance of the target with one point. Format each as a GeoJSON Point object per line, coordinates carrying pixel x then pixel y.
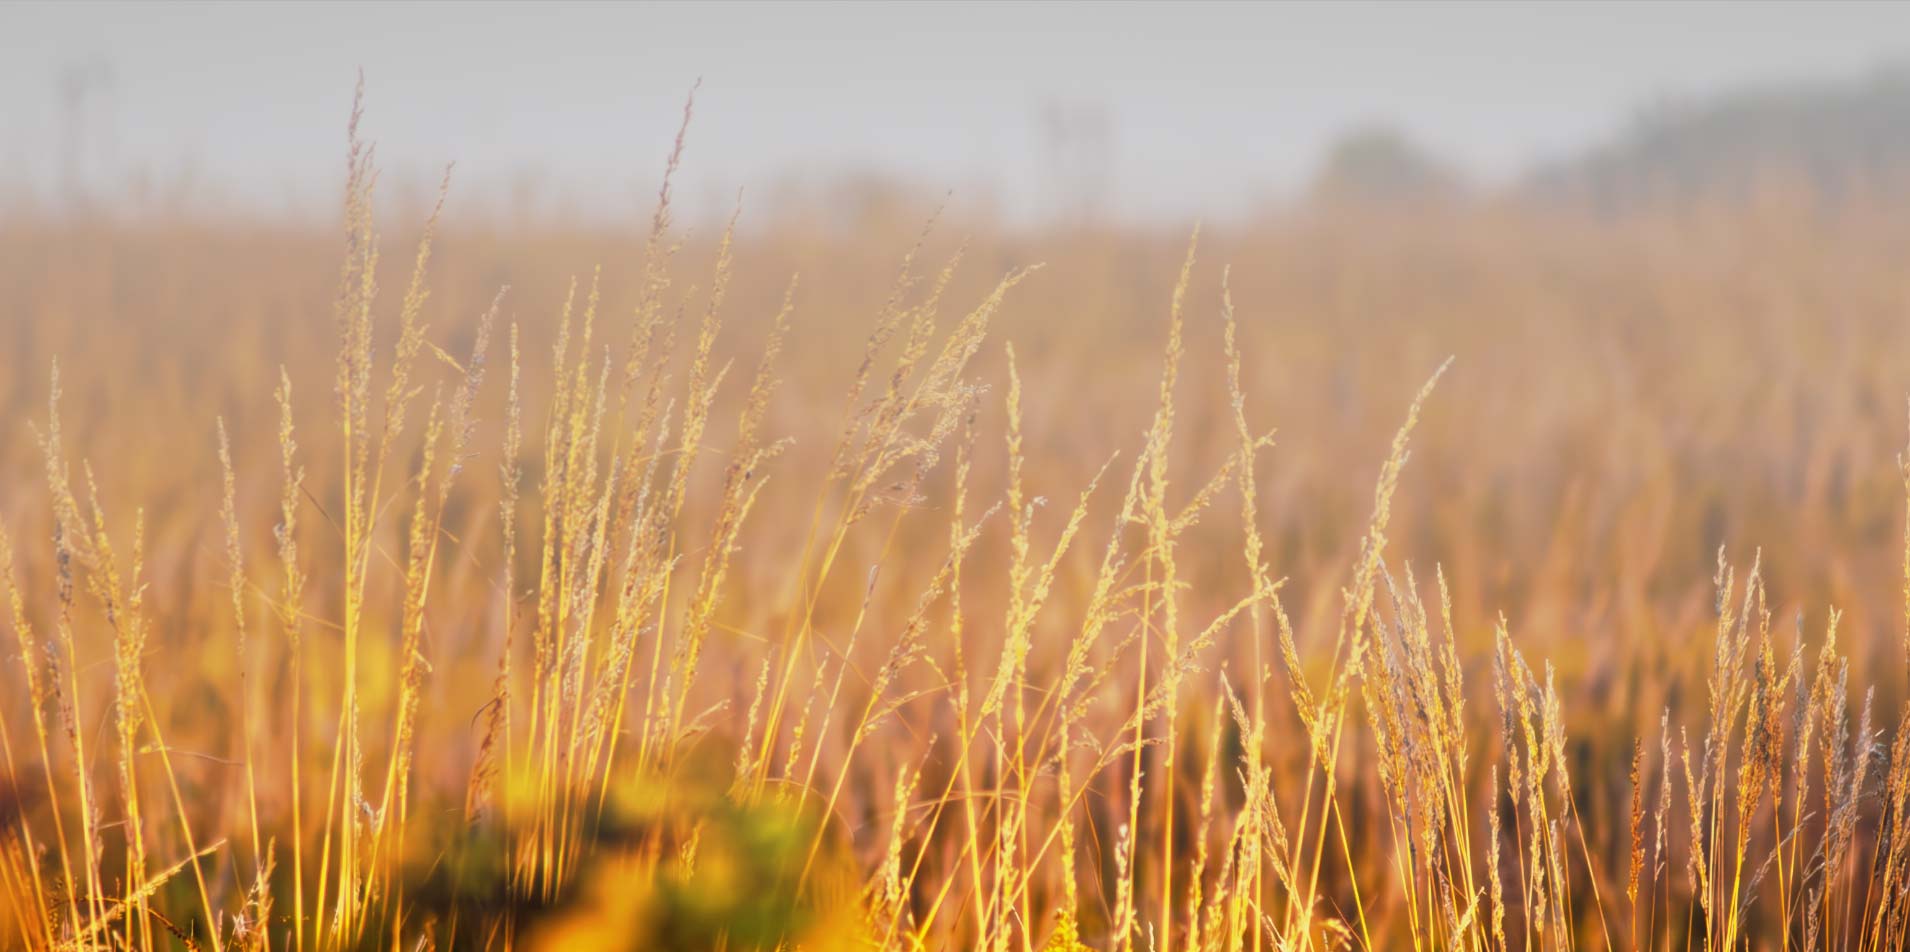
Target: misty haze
{"type": "Point", "coordinates": [1081, 477]}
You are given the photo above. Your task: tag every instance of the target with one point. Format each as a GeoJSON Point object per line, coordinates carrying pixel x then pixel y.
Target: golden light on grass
{"type": "Point", "coordinates": [574, 616]}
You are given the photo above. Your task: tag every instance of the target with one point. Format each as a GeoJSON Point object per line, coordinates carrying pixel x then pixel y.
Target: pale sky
{"type": "Point", "coordinates": [1204, 107]}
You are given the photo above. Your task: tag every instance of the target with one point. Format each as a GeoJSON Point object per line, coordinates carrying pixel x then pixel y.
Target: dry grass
{"type": "Point", "coordinates": [676, 604]}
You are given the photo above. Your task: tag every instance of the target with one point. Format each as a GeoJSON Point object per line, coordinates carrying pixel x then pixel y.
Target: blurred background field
{"type": "Point", "coordinates": [1633, 386]}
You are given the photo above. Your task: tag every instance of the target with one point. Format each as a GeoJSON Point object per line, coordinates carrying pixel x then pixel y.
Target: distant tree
{"type": "Point", "coordinates": [1837, 138]}
{"type": "Point", "coordinates": [1381, 165]}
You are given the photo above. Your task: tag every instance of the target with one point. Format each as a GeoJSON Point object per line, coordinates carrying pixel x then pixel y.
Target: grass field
{"type": "Point", "coordinates": [1474, 574]}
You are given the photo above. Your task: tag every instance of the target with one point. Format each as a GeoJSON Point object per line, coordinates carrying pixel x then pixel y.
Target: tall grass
{"type": "Point", "coordinates": [499, 647]}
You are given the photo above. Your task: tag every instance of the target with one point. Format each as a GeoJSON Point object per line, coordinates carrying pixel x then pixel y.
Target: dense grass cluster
{"type": "Point", "coordinates": [538, 620]}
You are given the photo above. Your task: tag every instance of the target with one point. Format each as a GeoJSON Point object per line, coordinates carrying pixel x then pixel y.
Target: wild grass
{"type": "Point", "coordinates": [540, 631]}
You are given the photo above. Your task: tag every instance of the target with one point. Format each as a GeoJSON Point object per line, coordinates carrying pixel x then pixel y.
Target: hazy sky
{"type": "Point", "coordinates": [1200, 108]}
